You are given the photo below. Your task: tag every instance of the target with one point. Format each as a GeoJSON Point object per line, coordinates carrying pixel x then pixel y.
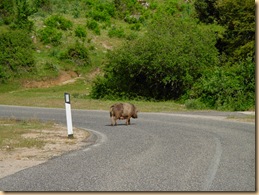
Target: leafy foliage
{"type": "Point", "coordinates": [43, 4]}
{"type": "Point", "coordinates": [228, 88]}
{"type": "Point", "coordinates": [80, 32]}
{"type": "Point", "coordinates": [206, 11]}
{"type": "Point", "coordinates": [238, 19]}
{"type": "Point", "coordinates": [162, 65]}
{"type": "Point", "coordinates": [78, 54]}
{"type": "Point", "coordinates": [116, 32]}
{"type": "Point", "coordinates": [231, 85]}
{"type": "Point", "coordinates": [102, 11]}
{"type": "Point", "coordinates": [93, 25]}
{"type": "Point", "coordinates": [50, 35]}
{"type": "Point", "coordinates": [200, 52]}
{"type": "Point", "coordinates": [17, 54]}
{"type": "Point", "coordinates": [127, 7]}
{"type": "Point", "coordinates": [59, 22]}
{"type": "Point", "coordinates": [16, 13]}
{"type": "Point", "coordinates": [7, 11]}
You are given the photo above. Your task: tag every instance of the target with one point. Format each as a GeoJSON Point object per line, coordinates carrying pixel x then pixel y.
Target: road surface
{"type": "Point", "coordinates": [200, 151]}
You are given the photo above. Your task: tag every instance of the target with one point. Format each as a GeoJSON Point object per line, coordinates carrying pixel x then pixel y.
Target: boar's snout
{"type": "Point", "coordinates": [135, 115]}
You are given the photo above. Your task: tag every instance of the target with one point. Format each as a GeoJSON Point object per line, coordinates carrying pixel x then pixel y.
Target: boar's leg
{"type": "Point", "coordinates": [128, 121]}
{"type": "Point", "coordinates": [113, 121]}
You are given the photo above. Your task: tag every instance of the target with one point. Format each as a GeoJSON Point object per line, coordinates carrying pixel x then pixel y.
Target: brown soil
{"type": "Point", "coordinates": [57, 143]}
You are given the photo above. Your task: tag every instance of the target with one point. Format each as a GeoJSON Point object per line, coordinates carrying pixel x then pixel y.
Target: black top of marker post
{"type": "Point", "coordinates": [67, 98]}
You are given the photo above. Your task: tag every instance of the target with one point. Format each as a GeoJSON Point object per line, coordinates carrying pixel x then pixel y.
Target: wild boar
{"type": "Point", "coordinates": [122, 111]}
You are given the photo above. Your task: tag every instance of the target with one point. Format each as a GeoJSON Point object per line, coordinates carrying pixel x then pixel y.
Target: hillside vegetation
{"type": "Point", "coordinates": [197, 52]}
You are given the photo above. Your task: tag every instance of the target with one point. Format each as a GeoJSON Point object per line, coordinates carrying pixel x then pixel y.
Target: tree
{"type": "Point", "coordinates": [231, 85]}
{"type": "Point", "coordinates": [238, 19]}
{"type": "Point", "coordinates": [206, 11]}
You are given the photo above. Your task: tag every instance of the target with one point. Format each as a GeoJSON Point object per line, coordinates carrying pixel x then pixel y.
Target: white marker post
{"type": "Point", "coordinates": [68, 115]}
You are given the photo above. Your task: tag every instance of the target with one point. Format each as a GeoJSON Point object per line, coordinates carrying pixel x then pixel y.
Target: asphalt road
{"type": "Point", "coordinates": [158, 152]}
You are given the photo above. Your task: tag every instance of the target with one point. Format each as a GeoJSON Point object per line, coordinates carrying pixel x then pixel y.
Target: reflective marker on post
{"type": "Point", "coordinates": [68, 115]}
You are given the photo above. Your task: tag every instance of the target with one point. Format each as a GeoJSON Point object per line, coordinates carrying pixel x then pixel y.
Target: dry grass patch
{"type": "Point", "coordinates": [25, 143]}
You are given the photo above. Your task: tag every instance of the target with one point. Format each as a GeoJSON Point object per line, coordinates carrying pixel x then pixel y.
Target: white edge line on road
{"type": "Point", "coordinates": [212, 170]}
{"type": "Point", "coordinates": [101, 138]}
{"type": "Point", "coordinates": [189, 115]}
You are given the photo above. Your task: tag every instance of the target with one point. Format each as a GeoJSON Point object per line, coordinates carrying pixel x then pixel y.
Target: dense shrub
{"type": "Point", "coordinates": [136, 27]}
{"type": "Point", "coordinates": [228, 88]}
{"type": "Point", "coordinates": [131, 36]}
{"type": "Point", "coordinates": [16, 54]}
{"type": "Point", "coordinates": [99, 15]}
{"type": "Point", "coordinates": [45, 5]}
{"type": "Point", "coordinates": [116, 32]}
{"type": "Point", "coordinates": [101, 11]}
{"type": "Point", "coordinates": [16, 13]}
{"type": "Point", "coordinates": [78, 54]}
{"type": "Point", "coordinates": [59, 22]}
{"type": "Point", "coordinates": [94, 26]}
{"type": "Point", "coordinates": [6, 11]}
{"type": "Point", "coordinates": [162, 65]}
{"type": "Point", "coordinates": [50, 35]}
{"type": "Point", "coordinates": [80, 31]}
{"type": "Point", "coordinates": [174, 6]}
{"type": "Point", "coordinates": [126, 8]}
{"type": "Point", "coordinates": [131, 19]}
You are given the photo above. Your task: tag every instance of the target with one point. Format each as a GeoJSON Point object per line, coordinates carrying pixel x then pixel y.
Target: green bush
{"type": "Point", "coordinates": [228, 88]}
{"type": "Point", "coordinates": [76, 8]}
{"type": "Point", "coordinates": [101, 11]}
{"type": "Point", "coordinates": [78, 54]}
{"type": "Point", "coordinates": [49, 66]}
{"type": "Point", "coordinates": [136, 27]}
{"type": "Point", "coordinates": [50, 35]}
{"type": "Point", "coordinates": [93, 25]}
{"type": "Point", "coordinates": [4, 75]}
{"type": "Point", "coordinates": [126, 8]}
{"type": "Point", "coordinates": [131, 36]}
{"type": "Point", "coordinates": [131, 19]}
{"type": "Point", "coordinates": [163, 65]}
{"type": "Point", "coordinates": [16, 54]}
{"type": "Point", "coordinates": [80, 31]}
{"type": "Point", "coordinates": [59, 22]}
{"type": "Point", "coordinates": [6, 11]}
{"type": "Point", "coordinates": [24, 9]}
{"type": "Point", "coordinates": [116, 32]}
{"type": "Point", "coordinates": [99, 15]}
{"type": "Point", "coordinates": [45, 5]}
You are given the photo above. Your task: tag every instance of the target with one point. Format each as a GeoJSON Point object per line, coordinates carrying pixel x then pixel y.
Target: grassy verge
{"type": "Point", "coordinates": [34, 135]}
{"type": "Point", "coordinates": [79, 92]}
{"type": "Point", "coordinates": [12, 131]}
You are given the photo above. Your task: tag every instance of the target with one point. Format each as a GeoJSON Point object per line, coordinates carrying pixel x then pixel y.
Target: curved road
{"type": "Point", "coordinates": [158, 152]}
